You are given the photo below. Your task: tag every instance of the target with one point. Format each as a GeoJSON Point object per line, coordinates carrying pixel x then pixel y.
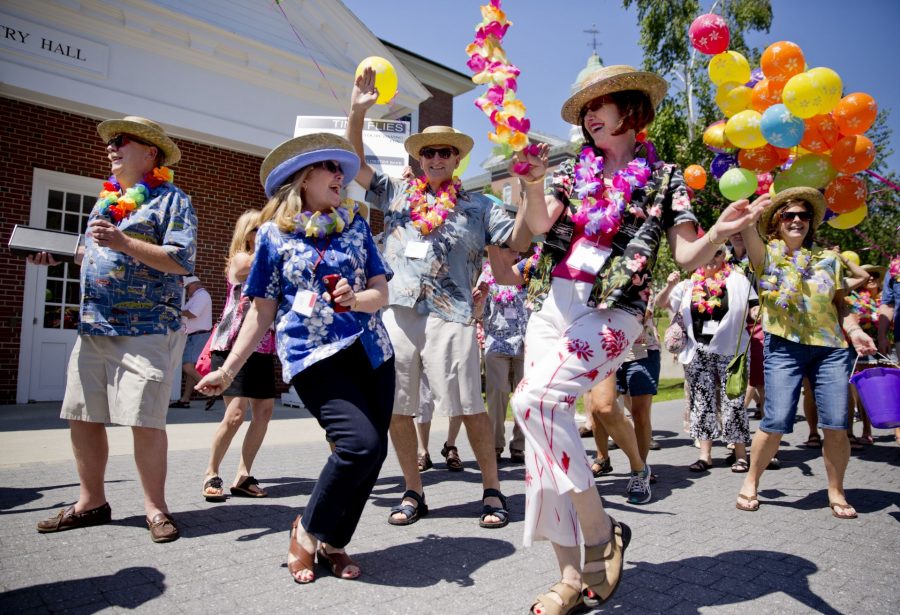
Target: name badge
{"type": "Point", "coordinates": [588, 257]}
{"type": "Point", "coordinates": [416, 249]}
{"type": "Point", "coordinates": [510, 314]}
{"type": "Point", "coordinates": [304, 302]}
{"type": "Point", "coordinates": [710, 327]}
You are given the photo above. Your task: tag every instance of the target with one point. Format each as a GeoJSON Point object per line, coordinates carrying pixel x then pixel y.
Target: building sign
{"type": "Point", "coordinates": [383, 139]}
{"type": "Point", "coordinates": [37, 41]}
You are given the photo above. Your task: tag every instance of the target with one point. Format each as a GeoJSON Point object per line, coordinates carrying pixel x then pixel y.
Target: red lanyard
{"type": "Point", "coordinates": [321, 255]}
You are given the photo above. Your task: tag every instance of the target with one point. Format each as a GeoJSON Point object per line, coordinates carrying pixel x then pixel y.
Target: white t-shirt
{"type": "Point", "coordinates": [200, 305]}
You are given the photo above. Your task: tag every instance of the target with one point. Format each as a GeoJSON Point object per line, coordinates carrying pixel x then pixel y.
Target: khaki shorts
{"type": "Point", "coordinates": [126, 380]}
{"type": "Point", "coordinates": [446, 352]}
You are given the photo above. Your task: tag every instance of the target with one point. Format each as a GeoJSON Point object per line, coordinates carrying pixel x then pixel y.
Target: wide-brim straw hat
{"type": "Point", "coordinates": [284, 161]}
{"type": "Point", "coordinates": [802, 193]}
{"type": "Point", "coordinates": [145, 130]}
{"type": "Point", "coordinates": [609, 79]}
{"type": "Point", "coordinates": [439, 135]}
{"type": "Point", "coordinates": [875, 270]}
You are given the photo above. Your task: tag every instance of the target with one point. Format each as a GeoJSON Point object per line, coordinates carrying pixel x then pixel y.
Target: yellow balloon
{"type": "Point", "coordinates": [729, 66]}
{"type": "Point", "coordinates": [849, 219]}
{"type": "Point", "coordinates": [463, 165]}
{"type": "Point", "coordinates": [733, 98]}
{"type": "Point", "coordinates": [829, 85]}
{"type": "Point", "coordinates": [850, 255]}
{"type": "Point", "coordinates": [714, 136]}
{"type": "Point", "coordinates": [743, 131]}
{"type": "Point", "coordinates": [385, 77]}
{"type": "Point", "coordinates": [802, 97]}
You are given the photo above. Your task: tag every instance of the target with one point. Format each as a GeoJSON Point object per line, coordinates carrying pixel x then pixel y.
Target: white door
{"type": "Point", "coordinates": [52, 294]}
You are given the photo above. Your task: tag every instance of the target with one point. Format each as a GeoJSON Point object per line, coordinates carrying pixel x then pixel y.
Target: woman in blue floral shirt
{"type": "Point", "coordinates": [319, 276]}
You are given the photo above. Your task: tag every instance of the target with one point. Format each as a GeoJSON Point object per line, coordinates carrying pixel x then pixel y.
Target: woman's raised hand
{"type": "Point", "coordinates": [739, 215]}
{"type": "Point", "coordinates": [531, 163]}
{"type": "Point", "coordinates": [364, 92]}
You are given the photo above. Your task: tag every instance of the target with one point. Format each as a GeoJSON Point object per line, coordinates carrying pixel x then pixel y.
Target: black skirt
{"type": "Point", "coordinates": [256, 380]}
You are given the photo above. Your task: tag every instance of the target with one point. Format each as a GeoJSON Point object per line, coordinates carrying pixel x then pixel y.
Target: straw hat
{"type": "Point", "coordinates": [609, 79]}
{"type": "Point", "coordinates": [285, 160]}
{"type": "Point", "coordinates": [145, 130]}
{"type": "Point", "coordinates": [875, 270]}
{"type": "Point", "coordinates": [803, 193]}
{"type": "Point", "coordinates": [439, 135]}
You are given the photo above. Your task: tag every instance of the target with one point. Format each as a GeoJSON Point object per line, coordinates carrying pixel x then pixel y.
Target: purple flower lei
{"type": "Point", "coordinates": [602, 208]}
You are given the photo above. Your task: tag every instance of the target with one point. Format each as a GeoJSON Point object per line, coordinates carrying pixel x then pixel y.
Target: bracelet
{"type": "Point", "coordinates": [355, 303]}
{"type": "Point", "coordinates": [228, 373]}
{"type": "Point", "coordinates": [853, 330]}
{"type": "Point", "coordinates": [540, 180]}
{"type": "Point", "coordinates": [709, 239]}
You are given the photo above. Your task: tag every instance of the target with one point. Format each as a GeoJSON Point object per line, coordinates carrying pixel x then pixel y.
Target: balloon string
{"type": "Point", "coordinates": [883, 180]}
{"type": "Point", "coordinates": [308, 51]}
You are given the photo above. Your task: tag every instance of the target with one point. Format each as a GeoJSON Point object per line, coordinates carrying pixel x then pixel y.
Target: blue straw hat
{"type": "Point", "coordinates": [287, 159]}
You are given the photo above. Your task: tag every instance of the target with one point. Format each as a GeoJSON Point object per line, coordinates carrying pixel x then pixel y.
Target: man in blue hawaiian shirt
{"type": "Point", "coordinates": [434, 235]}
{"type": "Point", "coordinates": [141, 239]}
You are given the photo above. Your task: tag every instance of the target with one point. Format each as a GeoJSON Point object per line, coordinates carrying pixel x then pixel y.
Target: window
{"type": "Point", "coordinates": [66, 211]}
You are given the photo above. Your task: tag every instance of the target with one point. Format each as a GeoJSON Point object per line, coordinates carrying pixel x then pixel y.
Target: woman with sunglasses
{"type": "Point", "coordinates": [713, 304]}
{"type": "Point", "coordinates": [604, 217]}
{"type": "Point", "coordinates": [318, 275]}
{"type": "Point", "coordinates": [807, 324]}
{"type": "Point", "coordinates": [254, 384]}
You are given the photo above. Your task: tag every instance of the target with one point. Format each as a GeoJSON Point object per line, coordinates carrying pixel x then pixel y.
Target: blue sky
{"type": "Point", "coordinates": [857, 39]}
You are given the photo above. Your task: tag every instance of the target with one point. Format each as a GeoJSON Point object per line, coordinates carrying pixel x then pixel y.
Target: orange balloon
{"type": "Point", "coordinates": [766, 92]}
{"type": "Point", "coordinates": [783, 59]}
{"type": "Point", "coordinates": [761, 160]}
{"type": "Point", "coordinates": [820, 134]}
{"type": "Point", "coordinates": [695, 177]}
{"type": "Point", "coordinates": [855, 113]}
{"type": "Point", "coordinates": [845, 193]}
{"type": "Point", "coordinates": [852, 154]}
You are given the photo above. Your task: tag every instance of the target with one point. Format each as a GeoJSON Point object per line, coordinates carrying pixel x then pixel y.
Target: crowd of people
{"type": "Point", "coordinates": [376, 333]}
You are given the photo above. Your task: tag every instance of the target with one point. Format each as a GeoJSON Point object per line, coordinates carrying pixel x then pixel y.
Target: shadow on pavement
{"type": "Point", "coordinates": [129, 588]}
{"type": "Point", "coordinates": [863, 500]}
{"type": "Point", "coordinates": [13, 497]}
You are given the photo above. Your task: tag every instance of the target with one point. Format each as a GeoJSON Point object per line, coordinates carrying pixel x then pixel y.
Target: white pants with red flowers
{"type": "Point", "coordinates": [569, 348]}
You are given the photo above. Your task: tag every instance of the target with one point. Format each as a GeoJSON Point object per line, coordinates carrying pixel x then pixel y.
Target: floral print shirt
{"type": "Point", "coordinates": [285, 265]}
{"type": "Point", "coordinates": [890, 296]}
{"type": "Point", "coordinates": [122, 296]}
{"type": "Point", "coordinates": [504, 318]}
{"type": "Point", "coordinates": [441, 282]}
{"type": "Point", "coordinates": [624, 280]}
{"type": "Point", "coordinates": [814, 319]}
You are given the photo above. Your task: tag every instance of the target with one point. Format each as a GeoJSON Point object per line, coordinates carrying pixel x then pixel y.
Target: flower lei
{"type": "Point", "coordinates": [894, 268]}
{"type": "Point", "coordinates": [320, 224]}
{"type": "Point", "coordinates": [601, 208]}
{"type": "Point", "coordinates": [426, 216]}
{"type": "Point", "coordinates": [706, 292]}
{"type": "Point", "coordinates": [864, 305]}
{"type": "Point", "coordinates": [783, 278]}
{"type": "Point", "coordinates": [531, 263]}
{"type": "Point", "coordinates": [501, 294]}
{"type": "Point", "coordinates": [116, 205]}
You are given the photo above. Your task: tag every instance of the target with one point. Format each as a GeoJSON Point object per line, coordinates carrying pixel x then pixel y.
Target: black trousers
{"type": "Point", "coordinates": [353, 403]}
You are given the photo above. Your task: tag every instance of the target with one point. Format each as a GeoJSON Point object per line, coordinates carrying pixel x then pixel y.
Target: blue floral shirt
{"type": "Point", "coordinates": [285, 264]}
{"type": "Point", "coordinates": [441, 282]}
{"type": "Point", "coordinates": [890, 295]}
{"type": "Point", "coordinates": [505, 318]}
{"type": "Point", "coordinates": [122, 296]}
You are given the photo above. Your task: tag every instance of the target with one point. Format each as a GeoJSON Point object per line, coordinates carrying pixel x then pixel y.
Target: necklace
{"type": "Point", "coordinates": [116, 205]}
{"type": "Point", "coordinates": [320, 224]}
{"type": "Point", "coordinates": [501, 294]}
{"type": "Point", "coordinates": [602, 207]}
{"type": "Point", "coordinates": [864, 305]}
{"type": "Point", "coordinates": [782, 281]}
{"type": "Point", "coordinates": [426, 216]}
{"type": "Point", "coordinates": [706, 292]}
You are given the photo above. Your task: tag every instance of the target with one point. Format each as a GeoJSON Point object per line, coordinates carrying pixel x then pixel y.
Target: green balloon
{"type": "Point", "coordinates": [736, 184]}
{"type": "Point", "coordinates": [787, 179]}
{"type": "Point", "coordinates": [813, 170]}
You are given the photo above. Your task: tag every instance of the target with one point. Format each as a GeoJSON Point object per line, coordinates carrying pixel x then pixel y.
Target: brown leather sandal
{"type": "Point", "coordinates": [604, 582]}
{"type": "Point", "coordinates": [337, 563]}
{"type": "Point", "coordinates": [571, 600]}
{"type": "Point", "coordinates": [304, 561]}
{"type": "Point", "coordinates": [451, 454]}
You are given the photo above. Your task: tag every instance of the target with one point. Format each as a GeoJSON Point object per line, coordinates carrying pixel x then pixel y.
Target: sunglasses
{"type": "Point", "coordinates": [331, 166]}
{"type": "Point", "coordinates": [123, 139]}
{"type": "Point", "coordinates": [443, 152]}
{"type": "Point", "coordinates": [803, 216]}
{"type": "Point", "coordinates": [596, 104]}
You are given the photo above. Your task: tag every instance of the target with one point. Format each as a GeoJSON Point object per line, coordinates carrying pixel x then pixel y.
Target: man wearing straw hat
{"type": "Point", "coordinates": [141, 240]}
{"type": "Point", "coordinates": [434, 236]}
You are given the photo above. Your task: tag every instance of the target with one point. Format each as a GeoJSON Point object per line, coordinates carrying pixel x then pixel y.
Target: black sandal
{"type": "Point", "coordinates": [701, 465]}
{"type": "Point", "coordinates": [243, 489]}
{"type": "Point", "coordinates": [493, 511]}
{"type": "Point", "coordinates": [412, 513]}
{"type": "Point", "coordinates": [451, 454]}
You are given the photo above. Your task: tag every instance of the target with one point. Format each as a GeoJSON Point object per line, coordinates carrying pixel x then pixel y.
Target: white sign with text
{"type": "Point", "coordinates": [37, 41]}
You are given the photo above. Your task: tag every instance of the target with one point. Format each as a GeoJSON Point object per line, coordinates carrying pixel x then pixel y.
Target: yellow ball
{"type": "Point", "coordinates": [849, 220]}
{"type": "Point", "coordinates": [802, 97]}
{"type": "Point", "coordinates": [743, 131]}
{"type": "Point", "coordinates": [727, 67]}
{"type": "Point", "coordinates": [850, 255]}
{"type": "Point", "coordinates": [385, 77]}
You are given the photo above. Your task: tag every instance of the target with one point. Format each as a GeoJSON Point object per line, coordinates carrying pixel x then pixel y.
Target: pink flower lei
{"type": "Point", "coordinates": [601, 209]}
{"type": "Point", "coordinates": [894, 268]}
{"type": "Point", "coordinates": [706, 292]}
{"type": "Point", "coordinates": [500, 294]}
{"type": "Point", "coordinates": [864, 305]}
{"type": "Point", "coordinates": [425, 216]}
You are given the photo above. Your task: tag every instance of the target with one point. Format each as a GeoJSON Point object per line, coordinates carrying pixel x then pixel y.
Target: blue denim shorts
{"type": "Point", "coordinates": [786, 363]}
{"type": "Point", "coordinates": [639, 377]}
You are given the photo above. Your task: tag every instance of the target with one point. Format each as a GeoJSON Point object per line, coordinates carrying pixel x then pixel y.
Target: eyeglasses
{"type": "Point", "coordinates": [331, 166]}
{"type": "Point", "coordinates": [803, 216]}
{"type": "Point", "coordinates": [443, 152]}
{"type": "Point", "coordinates": [121, 140]}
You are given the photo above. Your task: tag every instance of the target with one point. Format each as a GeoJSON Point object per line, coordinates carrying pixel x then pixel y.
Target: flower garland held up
{"type": "Point", "coordinates": [784, 276]}
{"type": "Point", "coordinates": [425, 216]}
{"type": "Point", "coordinates": [116, 205]}
{"type": "Point", "coordinates": [601, 209]}
{"type": "Point", "coordinates": [320, 224]}
{"type": "Point", "coordinates": [706, 292]}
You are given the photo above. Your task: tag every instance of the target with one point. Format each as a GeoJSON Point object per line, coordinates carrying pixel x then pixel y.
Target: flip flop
{"type": "Point", "coordinates": [748, 507]}
{"type": "Point", "coordinates": [834, 506]}
{"type": "Point", "coordinates": [243, 489]}
{"type": "Point", "coordinates": [214, 482]}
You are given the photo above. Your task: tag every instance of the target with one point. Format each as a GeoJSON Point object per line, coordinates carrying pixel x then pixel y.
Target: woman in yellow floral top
{"type": "Point", "coordinates": [802, 297]}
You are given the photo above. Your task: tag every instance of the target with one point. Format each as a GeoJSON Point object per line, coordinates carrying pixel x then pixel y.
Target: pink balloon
{"type": "Point", "coordinates": [764, 182]}
{"type": "Point", "coordinates": [709, 34]}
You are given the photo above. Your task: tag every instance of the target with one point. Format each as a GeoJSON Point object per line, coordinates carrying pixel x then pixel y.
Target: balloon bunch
{"type": "Point", "coordinates": [488, 62]}
{"type": "Point", "coordinates": [782, 118]}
